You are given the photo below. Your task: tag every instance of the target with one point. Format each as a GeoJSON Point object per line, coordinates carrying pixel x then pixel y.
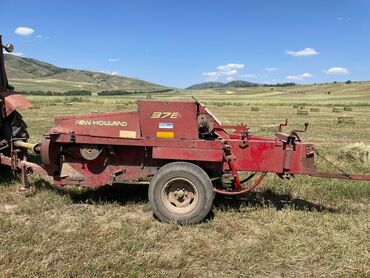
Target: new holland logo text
{"type": "Point", "coordinates": [100, 123]}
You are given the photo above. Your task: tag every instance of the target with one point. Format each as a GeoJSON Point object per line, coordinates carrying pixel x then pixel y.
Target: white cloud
{"type": "Point", "coordinates": [113, 60]}
{"type": "Point", "coordinates": [248, 75]}
{"type": "Point", "coordinates": [24, 31]}
{"type": "Point", "coordinates": [299, 77]}
{"type": "Point", "coordinates": [306, 75]}
{"type": "Point", "coordinates": [227, 70]}
{"type": "Point", "coordinates": [229, 78]}
{"type": "Point", "coordinates": [302, 53]}
{"type": "Point", "coordinates": [337, 70]}
{"type": "Point", "coordinates": [14, 53]}
{"type": "Point", "coordinates": [211, 74]}
{"type": "Point", "coordinates": [340, 18]}
{"type": "Point", "coordinates": [271, 69]}
{"type": "Point", "coordinates": [230, 67]}
{"type": "Point", "coordinates": [110, 72]}
{"type": "Point", "coordinates": [228, 73]}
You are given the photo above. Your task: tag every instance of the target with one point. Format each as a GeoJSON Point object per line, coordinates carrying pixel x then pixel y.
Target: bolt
{"type": "Point", "coordinates": [181, 193]}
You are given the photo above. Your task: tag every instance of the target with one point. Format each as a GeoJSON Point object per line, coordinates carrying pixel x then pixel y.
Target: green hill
{"type": "Point", "coordinates": [28, 74]}
{"type": "Point", "coordinates": [206, 85]}
{"type": "Point", "coordinates": [240, 84]}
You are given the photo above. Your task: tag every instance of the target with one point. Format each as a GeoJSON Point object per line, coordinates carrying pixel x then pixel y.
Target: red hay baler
{"type": "Point", "coordinates": [181, 146]}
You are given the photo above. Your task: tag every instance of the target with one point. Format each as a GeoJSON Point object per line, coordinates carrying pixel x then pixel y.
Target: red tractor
{"type": "Point", "coordinates": [13, 130]}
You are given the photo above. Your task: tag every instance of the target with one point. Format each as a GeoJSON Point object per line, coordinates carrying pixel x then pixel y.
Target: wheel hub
{"type": "Point", "coordinates": [180, 195]}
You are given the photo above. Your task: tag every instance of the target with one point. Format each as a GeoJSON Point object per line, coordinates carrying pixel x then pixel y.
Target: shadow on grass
{"type": "Point", "coordinates": [268, 198]}
{"type": "Point", "coordinates": [138, 193]}
{"type": "Point", "coordinates": [118, 193]}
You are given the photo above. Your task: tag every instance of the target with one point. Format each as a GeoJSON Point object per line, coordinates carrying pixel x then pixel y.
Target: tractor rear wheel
{"type": "Point", "coordinates": [13, 127]}
{"type": "Point", "coordinates": [181, 192]}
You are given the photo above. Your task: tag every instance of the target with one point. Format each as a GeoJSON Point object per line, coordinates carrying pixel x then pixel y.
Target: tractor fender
{"type": "Point", "coordinates": [13, 101]}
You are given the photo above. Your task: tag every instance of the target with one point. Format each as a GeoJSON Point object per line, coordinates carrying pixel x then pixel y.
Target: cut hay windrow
{"type": "Point", "coordinates": [255, 109]}
{"type": "Point", "coordinates": [346, 120]}
{"type": "Point", "coordinates": [315, 109]}
{"type": "Point", "coordinates": [302, 112]}
{"type": "Point", "coordinates": [356, 152]}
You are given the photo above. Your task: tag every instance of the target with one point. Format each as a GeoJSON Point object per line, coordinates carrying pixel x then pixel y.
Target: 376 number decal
{"type": "Point", "coordinates": [164, 115]}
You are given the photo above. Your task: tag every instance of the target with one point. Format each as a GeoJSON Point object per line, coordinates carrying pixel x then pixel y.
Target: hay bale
{"type": "Point", "coordinates": [67, 103]}
{"type": "Point", "coordinates": [302, 112]}
{"type": "Point", "coordinates": [346, 120]}
{"type": "Point", "coordinates": [315, 109]}
{"type": "Point", "coordinates": [295, 106]}
{"type": "Point", "coordinates": [255, 109]}
{"type": "Point", "coordinates": [356, 152]}
{"type": "Point", "coordinates": [268, 128]}
{"type": "Point", "coordinates": [347, 108]}
{"type": "Point", "coordinates": [337, 110]}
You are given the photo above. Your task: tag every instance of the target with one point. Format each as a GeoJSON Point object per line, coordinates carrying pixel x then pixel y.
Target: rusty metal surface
{"type": "Point", "coordinates": [13, 101]}
{"type": "Point", "coordinates": [341, 176]}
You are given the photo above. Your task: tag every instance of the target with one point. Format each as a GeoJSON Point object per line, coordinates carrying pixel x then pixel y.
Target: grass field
{"type": "Point", "coordinates": [305, 227]}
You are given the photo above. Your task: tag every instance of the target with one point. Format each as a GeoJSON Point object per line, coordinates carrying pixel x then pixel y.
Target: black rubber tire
{"type": "Point", "coordinates": [197, 176]}
{"type": "Point", "coordinates": [13, 127]}
{"type": "Point", "coordinates": [18, 126]}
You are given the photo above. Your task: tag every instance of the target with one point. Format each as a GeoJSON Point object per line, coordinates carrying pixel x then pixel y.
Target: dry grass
{"type": "Point", "coordinates": [304, 227]}
{"type": "Point", "coordinates": [356, 152]}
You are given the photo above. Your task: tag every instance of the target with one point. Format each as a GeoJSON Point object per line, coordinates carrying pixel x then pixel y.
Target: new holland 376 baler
{"type": "Point", "coordinates": [185, 150]}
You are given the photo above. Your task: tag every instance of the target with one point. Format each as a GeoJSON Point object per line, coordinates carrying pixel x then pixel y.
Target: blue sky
{"type": "Point", "coordinates": [179, 43]}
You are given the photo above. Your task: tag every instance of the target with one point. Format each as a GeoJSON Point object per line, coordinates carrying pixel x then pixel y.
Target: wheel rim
{"type": "Point", "coordinates": [180, 195]}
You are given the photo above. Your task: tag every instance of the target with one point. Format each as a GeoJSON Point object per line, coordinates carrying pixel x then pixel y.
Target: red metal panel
{"type": "Point", "coordinates": [258, 156]}
{"type": "Point", "coordinates": [13, 101]}
{"type": "Point", "coordinates": [267, 156]}
{"type": "Point", "coordinates": [145, 142]}
{"type": "Point", "coordinates": [187, 154]}
{"type": "Point", "coordinates": [164, 119]}
{"type": "Point", "coordinates": [107, 125]}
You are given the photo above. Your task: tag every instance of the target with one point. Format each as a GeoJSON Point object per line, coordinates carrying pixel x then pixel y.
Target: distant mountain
{"type": "Point", "coordinates": [30, 74]}
{"type": "Point", "coordinates": [205, 85]}
{"type": "Point", "coordinates": [240, 83]}
{"type": "Point", "coordinates": [210, 85]}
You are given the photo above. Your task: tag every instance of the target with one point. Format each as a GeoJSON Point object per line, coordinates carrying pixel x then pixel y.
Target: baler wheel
{"type": "Point", "coordinates": [181, 192]}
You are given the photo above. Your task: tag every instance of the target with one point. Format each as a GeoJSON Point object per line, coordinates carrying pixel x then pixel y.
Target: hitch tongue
{"type": "Point", "coordinates": [34, 147]}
